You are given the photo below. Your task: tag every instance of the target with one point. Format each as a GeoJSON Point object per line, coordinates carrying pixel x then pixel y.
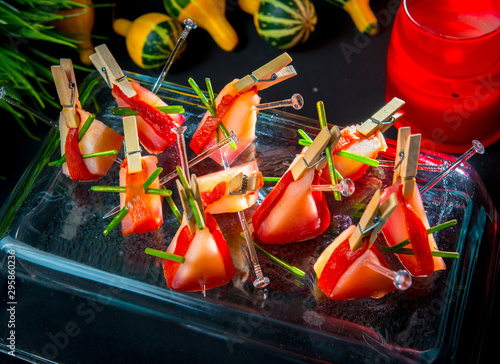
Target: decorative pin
{"type": "Point", "coordinates": [260, 281]}
{"type": "Point", "coordinates": [477, 147]}
{"type": "Point", "coordinates": [346, 187]}
{"type": "Point", "coordinates": [296, 101]}
{"type": "Point", "coordinates": [402, 279]}
{"type": "Point", "coordinates": [188, 25]}
{"type": "Point", "coordinates": [269, 74]}
{"type": "Point", "coordinates": [382, 119]}
{"type": "Point", "coordinates": [14, 102]}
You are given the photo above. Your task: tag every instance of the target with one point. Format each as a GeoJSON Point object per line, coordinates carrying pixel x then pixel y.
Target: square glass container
{"type": "Point", "coordinates": [54, 227]}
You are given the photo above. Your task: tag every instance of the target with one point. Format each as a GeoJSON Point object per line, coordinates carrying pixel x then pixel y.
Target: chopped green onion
{"type": "Point", "coordinates": [358, 158]}
{"type": "Point", "coordinates": [224, 131]}
{"type": "Point", "coordinates": [434, 253]}
{"type": "Point", "coordinates": [123, 212]}
{"type": "Point", "coordinates": [328, 150]}
{"type": "Point", "coordinates": [121, 189]}
{"type": "Point", "coordinates": [164, 255]}
{"type": "Point", "coordinates": [271, 179]}
{"type": "Point", "coordinates": [203, 98]}
{"type": "Point", "coordinates": [174, 208]}
{"type": "Point", "coordinates": [100, 154]}
{"type": "Point", "coordinates": [171, 109]}
{"type": "Point", "coordinates": [304, 135]}
{"type": "Point", "coordinates": [210, 91]}
{"type": "Point", "coordinates": [296, 271]}
{"type": "Point", "coordinates": [192, 202]}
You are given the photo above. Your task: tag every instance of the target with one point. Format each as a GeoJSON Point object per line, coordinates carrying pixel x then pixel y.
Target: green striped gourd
{"type": "Point", "coordinates": [150, 38]}
{"type": "Point", "coordinates": [283, 23]}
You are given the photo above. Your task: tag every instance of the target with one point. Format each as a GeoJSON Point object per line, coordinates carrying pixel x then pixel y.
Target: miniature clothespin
{"type": "Point", "coordinates": [373, 220]}
{"type": "Point", "coordinates": [109, 69]}
{"type": "Point", "coordinates": [269, 74]}
{"type": "Point", "coordinates": [191, 199]}
{"type": "Point", "coordinates": [65, 81]}
{"type": "Point", "coordinates": [406, 162]}
{"type": "Point", "coordinates": [242, 184]}
{"type": "Point", "coordinates": [132, 148]}
{"type": "Point", "coordinates": [383, 118]}
{"type": "Point", "coordinates": [313, 154]}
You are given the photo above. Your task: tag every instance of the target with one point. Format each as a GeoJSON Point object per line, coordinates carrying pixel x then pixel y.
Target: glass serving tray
{"type": "Point", "coordinates": [55, 226]}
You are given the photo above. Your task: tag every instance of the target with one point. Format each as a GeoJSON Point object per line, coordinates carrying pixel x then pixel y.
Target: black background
{"type": "Point", "coordinates": [351, 86]}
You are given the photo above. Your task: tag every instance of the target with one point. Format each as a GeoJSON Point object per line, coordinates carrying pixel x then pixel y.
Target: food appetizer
{"type": "Point", "coordinates": [221, 191]}
{"type": "Point", "coordinates": [88, 147]}
{"type": "Point", "coordinates": [366, 140]}
{"type": "Point", "coordinates": [199, 240]}
{"type": "Point", "coordinates": [153, 125]}
{"type": "Point", "coordinates": [352, 267]}
{"type": "Point", "coordinates": [293, 211]}
{"type": "Point", "coordinates": [234, 108]}
{"type": "Point", "coordinates": [409, 220]}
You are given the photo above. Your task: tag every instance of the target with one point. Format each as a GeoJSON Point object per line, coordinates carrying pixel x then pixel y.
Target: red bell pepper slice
{"type": "Point", "coordinates": [77, 168]}
{"type": "Point", "coordinates": [159, 121]}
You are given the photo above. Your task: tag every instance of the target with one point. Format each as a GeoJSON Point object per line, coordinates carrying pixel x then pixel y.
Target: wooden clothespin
{"type": "Point", "coordinates": [382, 119]}
{"type": "Point", "coordinates": [313, 154]}
{"type": "Point", "coordinates": [269, 74]}
{"type": "Point", "coordinates": [109, 69]}
{"type": "Point", "coordinates": [242, 184]}
{"type": "Point", "coordinates": [132, 148]}
{"type": "Point", "coordinates": [65, 81]}
{"type": "Point", "coordinates": [406, 162]}
{"type": "Point", "coordinates": [194, 193]}
{"type": "Point", "coordinates": [373, 219]}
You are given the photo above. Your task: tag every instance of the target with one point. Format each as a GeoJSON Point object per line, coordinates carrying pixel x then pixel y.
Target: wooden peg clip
{"type": "Point", "coordinates": [386, 209]}
{"type": "Point", "coordinates": [269, 74]}
{"type": "Point", "coordinates": [242, 184]}
{"type": "Point", "coordinates": [132, 148]}
{"type": "Point", "coordinates": [109, 69]}
{"type": "Point", "coordinates": [313, 154]}
{"type": "Point", "coordinates": [406, 162]}
{"type": "Point", "coordinates": [65, 81]}
{"type": "Point", "coordinates": [382, 119]}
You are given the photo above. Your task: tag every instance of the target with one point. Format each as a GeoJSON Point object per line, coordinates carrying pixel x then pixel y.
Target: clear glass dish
{"type": "Point", "coordinates": [55, 227]}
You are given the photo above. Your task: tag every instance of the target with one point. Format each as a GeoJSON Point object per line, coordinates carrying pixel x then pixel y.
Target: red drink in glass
{"type": "Point", "coordinates": [444, 62]}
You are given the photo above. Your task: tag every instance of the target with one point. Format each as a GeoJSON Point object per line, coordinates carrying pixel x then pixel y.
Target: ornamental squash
{"type": "Point", "coordinates": [361, 14]}
{"type": "Point", "coordinates": [282, 23]}
{"type": "Point", "coordinates": [207, 14]}
{"type": "Point", "coordinates": [150, 38]}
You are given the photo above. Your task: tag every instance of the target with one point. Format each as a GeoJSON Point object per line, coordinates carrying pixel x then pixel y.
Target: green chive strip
{"type": "Point", "coordinates": [174, 208]}
{"type": "Point", "coordinates": [121, 189]}
{"type": "Point", "coordinates": [61, 160]}
{"type": "Point", "coordinates": [304, 135]}
{"type": "Point", "coordinates": [224, 131]}
{"type": "Point", "coordinates": [358, 158]}
{"type": "Point", "coordinates": [164, 255]}
{"type": "Point", "coordinates": [296, 271]}
{"type": "Point", "coordinates": [210, 91]}
{"type": "Point", "coordinates": [171, 109]}
{"type": "Point", "coordinates": [203, 98]}
{"type": "Point", "coordinates": [434, 253]}
{"type": "Point", "coordinates": [182, 178]}
{"type": "Point", "coordinates": [397, 247]}
{"type": "Point", "coordinates": [271, 179]}
{"type": "Point", "coordinates": [123, 212]}
{"type": "Point", "coordinates": [81, 133]}
{"type": "Point", "coordinates": [328, 150]}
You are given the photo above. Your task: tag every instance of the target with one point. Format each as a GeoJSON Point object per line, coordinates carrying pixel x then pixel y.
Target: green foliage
{"type": "Point", "coordinates": [25, 28]}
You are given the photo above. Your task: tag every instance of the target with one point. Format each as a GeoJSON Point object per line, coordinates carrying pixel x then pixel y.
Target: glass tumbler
{"type": "Point", "coordinates": [444, 62]}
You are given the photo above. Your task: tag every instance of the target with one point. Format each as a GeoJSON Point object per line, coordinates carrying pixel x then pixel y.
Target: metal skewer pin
{"type": "Point", "coordinates": [296, 101]}
{"type": "Point", "coordinates": [346, 187]}
{"type": "Point", "coordinates": [477, 147]}
{"type": "Point", "coordinates": [188, 25]}
{"type": "Point", "coordinates": [260, 281]}
{"type": "Point", "coordinates": [402, 279]}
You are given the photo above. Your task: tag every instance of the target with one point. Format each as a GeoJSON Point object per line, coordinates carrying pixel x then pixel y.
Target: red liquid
{"type": "Point", "coordinates": [445, 64]}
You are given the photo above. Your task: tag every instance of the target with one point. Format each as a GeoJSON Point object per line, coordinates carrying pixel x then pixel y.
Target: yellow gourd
{"type": "Point", "coordinates": [361, 14]}
{"type": "Point", "coordinates": [209, 15]}
{"type": "Point", "coordinates": [150, 38]}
